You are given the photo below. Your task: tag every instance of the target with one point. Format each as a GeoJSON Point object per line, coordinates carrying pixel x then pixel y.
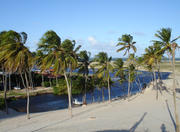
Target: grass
{"type": "Point", "coordinates": [22, 93]}
{"type": "Point", "coordinates": [167, 66]}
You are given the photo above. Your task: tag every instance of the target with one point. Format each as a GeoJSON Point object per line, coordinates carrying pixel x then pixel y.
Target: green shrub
{"type": "Point", "coordinates": [47, 84]}
{"type": "Point", "coordinates": [61, 88]}
{"type": "Point", "coordinates": [2, 103]}
{"type": "Point", "coordinates": [77, 85]}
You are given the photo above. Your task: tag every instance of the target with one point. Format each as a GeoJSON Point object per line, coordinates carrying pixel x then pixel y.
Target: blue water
{"type": "Point", "coordinates": [47, 102]}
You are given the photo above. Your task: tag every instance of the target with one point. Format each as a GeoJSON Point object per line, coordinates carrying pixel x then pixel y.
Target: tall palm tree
{"type": "Point", "coordinates": [4, 79]}
{"type": "Point", "coordinates": [84, 59]}
{"type": "Point", "coordinates": [39, 60]}
{"type": "Point", "coordinates": [150, 59]}
{"type": "Point", "coordinates": [50, 47]}
{"type": "Point", "coordinates": [17, 57]}
{"type": "Point", "coordinates": [118, 66]}
{"type": "Point", "coordinates": [131, 70]}
{"type": "Point", "coordinates": [70, 53]}
{"type": "Point", "coordinates": [126, 42]}
{"type": "Point", "coordinates": [60, 56]}
{"type": "Point", "coordinates": [169, 46]}
{"type": "Point", "coordinates": [105, 69]}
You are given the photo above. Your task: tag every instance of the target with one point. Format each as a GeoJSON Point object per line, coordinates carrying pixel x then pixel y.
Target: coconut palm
{"type": "Point", "coordinates": [84, 62]}
{"type": "Point", "coordinates": [4, 79]}
{"type": "Point", "coordinates": [150, 59]}
{"type": "Point", "coordinates": [68, 64]}
{"type": "Point", "coordinates": [59, 56]}
{"type": "Point", "coordinates": [169, 46]}
{"type": "Point", "coordinates": [50, 47]}
{"type": "Point", "coordinates": [17, 57]}
{"type": "Point", "coordinates": [105, 68]}
{"type": "Point", "coordinates": [120, 70]}
{"type": "Point", "coordinates": [126, 42]}
{"type": "Point", "coordinates": [70, 53]}
{"type": "Point", "coordinates": [39, 59]}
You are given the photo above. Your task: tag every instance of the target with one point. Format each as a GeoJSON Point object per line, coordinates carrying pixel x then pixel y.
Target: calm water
{"type": "Point", "coordinates": [47, 102]}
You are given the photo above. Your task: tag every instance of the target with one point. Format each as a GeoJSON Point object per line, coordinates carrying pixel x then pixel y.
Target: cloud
{"type": "Point", "coordinates": [92, 40]}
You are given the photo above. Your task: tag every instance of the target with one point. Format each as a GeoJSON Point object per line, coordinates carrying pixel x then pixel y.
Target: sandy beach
{"type": "Point", "coordinates": [141, 113]}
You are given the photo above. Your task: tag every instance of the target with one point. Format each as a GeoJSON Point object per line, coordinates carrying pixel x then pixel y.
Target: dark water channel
{"type": "Point", "coordinates": [48, 102]}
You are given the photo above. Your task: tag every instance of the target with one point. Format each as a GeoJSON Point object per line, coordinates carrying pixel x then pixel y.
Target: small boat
{"type": "Point", "coordinates": [17, 88]}
{"type": "Point", "coordinates": [76, 102]}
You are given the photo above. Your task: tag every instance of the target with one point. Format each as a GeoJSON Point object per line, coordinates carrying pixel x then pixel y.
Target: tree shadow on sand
{"type": "Point", "coordinates": [170, 114]}
{"type": "Point", "coordinates": [132, 129]}
{"type": "Point", "coordinates": [163, 128]}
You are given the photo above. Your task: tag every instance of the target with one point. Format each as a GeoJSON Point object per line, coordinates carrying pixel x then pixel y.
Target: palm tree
{"type": "Point", "coordinates": [139, 63]}
{"type": "Point", "coordinates": [4, 79]}
{"type": "Point", "coordinates": [150, 59]}
{"type": "Point", "coordinates": [17, 57]}
{"type": "Point", "coordinates": [50, 47]}
{"type": "Point", "coordinates": [126, 42]}
{"type": "Point", "coordinates": [169, 46]}
{"type": "Point", "coordinates": [60, 56]}
{"type": "Point", "coordinates": [39, 59]}
{"type": "Point", "coordinates": [70, 53]}
{"type": "Point", "coordinates": [131, 70]}
{"type": "Point", "coordinates": [118, 66]}
{"type": "Point", "coordinates": [105, 69]}
{"type": "Point", "coordinates": [84, 59]}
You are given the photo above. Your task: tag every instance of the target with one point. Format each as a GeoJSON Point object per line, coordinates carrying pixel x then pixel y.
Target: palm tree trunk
{"type": "Point", "coordinates": [159, 76]}
{"type": "Point", "coordinates": [92, 95]}
{"type": "Point", "coordinates": [174, 92]}
{"type": "Point", "coordinates": [22, 80]}
{"type": "Point", "coordinates": [56, 81]}
{"type": "Point", "coordinates": [155, 83]}
{"type": "Point", "coordinates": [70, 81]}
{"type": "Point", "coordinates": [129, 85]}
{"type": "Point", "coordinates": [153, 78]}
{"type": "Point", "coordinates": [27, 92]}
{"type": "Point", "coordinates": [140, 87]}
{"type": "Point", "coordinates": [102, 94]}
{"type": "Point", "coordinates": [109, 90]}
{"type": "Point", "coordinates": [30, 79]}
{"type": "Point", "coordinates": [85, 88]}
{"type": "Point", "coordinates": [42, 80]}
{"type": "Point", "coordinates": [69, 93]}
{"type": "Point", "coordinates": [5, 93]}
{"type": "Point", "coordinates": [50, 82]}
{"type": "Point", "coordinates": [9, 81]}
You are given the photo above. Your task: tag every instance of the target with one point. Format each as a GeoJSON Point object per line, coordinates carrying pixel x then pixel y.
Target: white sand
{"type": "Point", "coordinates": [143, 113]}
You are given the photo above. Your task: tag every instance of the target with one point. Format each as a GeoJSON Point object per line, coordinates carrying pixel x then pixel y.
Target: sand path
{"type": "Point", "coordinates": [143, 113]}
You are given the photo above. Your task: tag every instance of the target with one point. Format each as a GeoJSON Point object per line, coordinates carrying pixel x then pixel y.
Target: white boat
{"type": "Point", "coordinates": [76, 102]}
{"type": "Point", "coordinates": [17, 88]}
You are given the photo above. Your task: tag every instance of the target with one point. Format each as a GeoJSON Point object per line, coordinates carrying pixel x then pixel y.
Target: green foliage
{"type": "Point", "coordinates": [2, 103]}
{"type": "Point", "coordinates": [47, 84]}
{"type": "Point", "coordinates": [132, 72]}
{"type": "Point", "coordinates": [67, 45]}
{"type": "Point", "coordinates": [126, 42]}
{"type": "Point", "coordinates": [102, 57]}
{"type": "Point", "coordinates": [77, 85]}
{"type": "Point", "coordinates": [49, 41]}
{"type": "Point", "coordinates": [61, 88]}
{"type": "Point", "coordinates": [120, 72]}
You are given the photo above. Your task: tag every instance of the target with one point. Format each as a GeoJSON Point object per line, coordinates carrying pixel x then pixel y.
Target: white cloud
{"type": "Point", "coordinates": [92, 40]}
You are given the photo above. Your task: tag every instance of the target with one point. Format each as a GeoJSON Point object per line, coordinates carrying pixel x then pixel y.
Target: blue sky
{"type": "Point", "coordinates": [95, 24]}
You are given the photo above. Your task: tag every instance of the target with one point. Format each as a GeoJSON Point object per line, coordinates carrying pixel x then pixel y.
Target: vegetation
{"type": "Point", "coordinates": [56, 60]}
{"type": "Point", "coordinates": [126, 42]}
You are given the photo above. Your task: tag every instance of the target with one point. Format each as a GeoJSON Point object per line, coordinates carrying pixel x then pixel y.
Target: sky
{"type": "Point", "coordinates": [94, 24]}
